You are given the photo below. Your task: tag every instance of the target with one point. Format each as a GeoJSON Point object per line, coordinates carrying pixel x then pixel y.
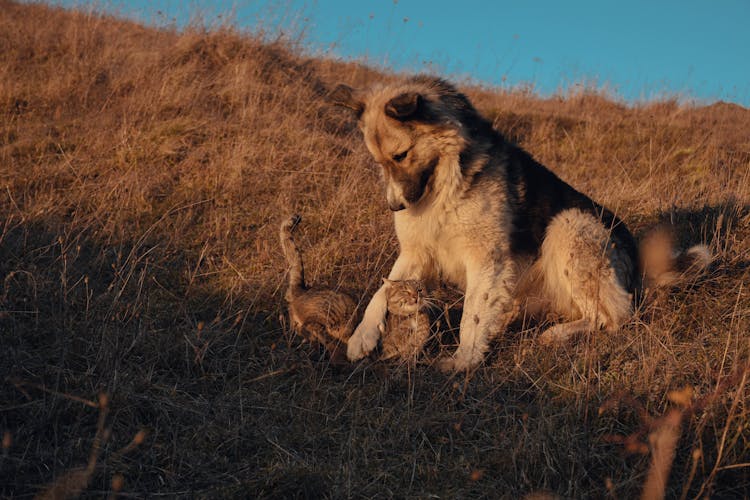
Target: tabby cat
{"type": "Point", "coordinates": [320, 315]}
{"type": "Point", "coordinates": [408, 323]}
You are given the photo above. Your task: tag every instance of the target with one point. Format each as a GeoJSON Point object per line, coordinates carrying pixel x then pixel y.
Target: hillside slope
{"type": "Point", "coordinates": [143, 174]}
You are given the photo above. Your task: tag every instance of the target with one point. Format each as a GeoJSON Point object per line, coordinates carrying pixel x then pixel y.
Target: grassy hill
{"type": "Point", "coordinates": [143, 174]}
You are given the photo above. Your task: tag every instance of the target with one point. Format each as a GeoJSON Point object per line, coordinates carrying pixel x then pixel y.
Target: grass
{"type": "Point", "coordinates": [143, 174]}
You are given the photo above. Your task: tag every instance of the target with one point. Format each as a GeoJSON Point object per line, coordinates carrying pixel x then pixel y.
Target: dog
{"type": "Point", "coordinates": [475, 210]}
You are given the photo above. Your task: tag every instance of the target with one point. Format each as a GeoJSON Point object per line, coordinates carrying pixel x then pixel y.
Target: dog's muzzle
{"type": "Point", "coordinates": [396, 206]}
{"type": "Point", "coordinates": [395, 196]}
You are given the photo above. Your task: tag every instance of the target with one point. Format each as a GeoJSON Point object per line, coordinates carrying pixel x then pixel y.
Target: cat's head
{"type": "Point", "coordinates": [404, 296]}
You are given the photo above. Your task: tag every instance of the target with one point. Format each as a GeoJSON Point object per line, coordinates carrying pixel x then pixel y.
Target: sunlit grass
{"type": "Point", "coordinates": [143, 174]}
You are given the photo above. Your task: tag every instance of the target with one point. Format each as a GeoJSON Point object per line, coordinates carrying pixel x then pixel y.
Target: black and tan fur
{"type": "Point", "coordinates": [474, 210]}
{"type": "Point", "coordinates": [320, 315]}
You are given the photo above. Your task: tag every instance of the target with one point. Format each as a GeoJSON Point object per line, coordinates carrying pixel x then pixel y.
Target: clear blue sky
{"type": "Point", "coordinates": [638, 49]}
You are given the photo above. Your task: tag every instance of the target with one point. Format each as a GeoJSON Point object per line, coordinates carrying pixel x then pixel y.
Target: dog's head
{"type": "Point", "coordinates": [411, 129]}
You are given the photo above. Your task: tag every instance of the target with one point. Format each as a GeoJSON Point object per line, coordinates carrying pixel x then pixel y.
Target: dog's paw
{"type": "Point", "coordinates": [559, 334]}
{"type": "Point", "coordinates": [363, 340]}
{"type": "Point", "coordinates": [446, 364]}
{"type": "Point", "coordinates": [548, 337]}
{"type": "Point", "coordinates": [460, 361]}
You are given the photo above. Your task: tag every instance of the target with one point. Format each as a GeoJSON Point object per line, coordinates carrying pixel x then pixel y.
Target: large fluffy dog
{"type": "Point", "coordinates": [477, 211]}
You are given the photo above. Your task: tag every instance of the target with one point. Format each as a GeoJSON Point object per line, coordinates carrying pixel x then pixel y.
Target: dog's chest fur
{"type": "Point", "coordinates": [454, 233]}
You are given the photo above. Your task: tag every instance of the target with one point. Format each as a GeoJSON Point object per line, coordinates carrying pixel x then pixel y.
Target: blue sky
{"type": "Point", "coordinates": [636, 49]}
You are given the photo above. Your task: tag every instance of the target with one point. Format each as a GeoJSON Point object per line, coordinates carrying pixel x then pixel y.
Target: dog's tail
{"type": "Point", "coordinates": [293, 257]}
{"type": "Point", "coordinates": [663, 266]}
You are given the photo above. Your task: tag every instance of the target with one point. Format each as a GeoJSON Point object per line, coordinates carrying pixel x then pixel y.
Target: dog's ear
{"type": "Point", "coordinates": [403, 106]}
{"type": "Point", "coordinates": [344, 95]}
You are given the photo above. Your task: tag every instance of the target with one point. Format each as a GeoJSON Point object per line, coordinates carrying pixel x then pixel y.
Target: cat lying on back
{"type": "Point", "coordinates": [408, 323]}
{"type": "Point", "coordinates": [320, 315]}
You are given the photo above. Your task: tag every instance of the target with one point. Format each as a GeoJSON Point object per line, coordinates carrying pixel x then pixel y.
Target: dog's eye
{"type": "Point", "coordinates": [400, 156]}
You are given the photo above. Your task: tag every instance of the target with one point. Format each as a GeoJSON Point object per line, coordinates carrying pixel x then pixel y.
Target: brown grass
{"type": "Point", "coordinates": [143, 174]}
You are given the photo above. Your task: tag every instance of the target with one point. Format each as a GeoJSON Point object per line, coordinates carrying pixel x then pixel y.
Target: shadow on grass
{"type": "Point", "coordinates": [236, 406]}
{"type": "Point", "coordinates": [77, 318]}
{"type": "Point", "coordinates": [707, 224]}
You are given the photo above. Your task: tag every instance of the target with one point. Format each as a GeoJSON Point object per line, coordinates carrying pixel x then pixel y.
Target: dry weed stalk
{"type": "Point", "coordinates": [662, 442]}
{"type": "Point", "coordinates": [663, 433]}
{"type": "Point", "coordinates": [74, 481]}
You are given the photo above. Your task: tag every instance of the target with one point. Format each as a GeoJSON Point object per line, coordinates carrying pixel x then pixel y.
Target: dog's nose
{"type": "Point", "coordinates": [396, 206]}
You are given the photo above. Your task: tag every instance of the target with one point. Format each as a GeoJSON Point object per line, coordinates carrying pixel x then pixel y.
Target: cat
{"type": "Point", "coordinates": [407, 326]}
{"type": "Point", "coordinates": [319, 315]}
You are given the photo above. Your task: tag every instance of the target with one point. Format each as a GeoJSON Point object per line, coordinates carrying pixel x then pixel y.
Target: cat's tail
{"type": "Point", "coordinates": [663, 265]}
{"type": "Point", "coordinates": [293, 257]}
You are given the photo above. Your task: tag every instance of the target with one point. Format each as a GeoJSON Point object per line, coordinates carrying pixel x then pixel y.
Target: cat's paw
{"type": "Point", "coordinates": [363, 340]}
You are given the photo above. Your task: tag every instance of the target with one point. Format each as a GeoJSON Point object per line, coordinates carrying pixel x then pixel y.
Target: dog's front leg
{"type": "Point", "coordinates": [366, 335]}
{"type": "Point", "coordinates": [488, 308]}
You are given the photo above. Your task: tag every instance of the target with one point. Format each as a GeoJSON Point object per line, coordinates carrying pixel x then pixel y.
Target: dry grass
{"type": "Point", "coordinates": [143, 174]}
